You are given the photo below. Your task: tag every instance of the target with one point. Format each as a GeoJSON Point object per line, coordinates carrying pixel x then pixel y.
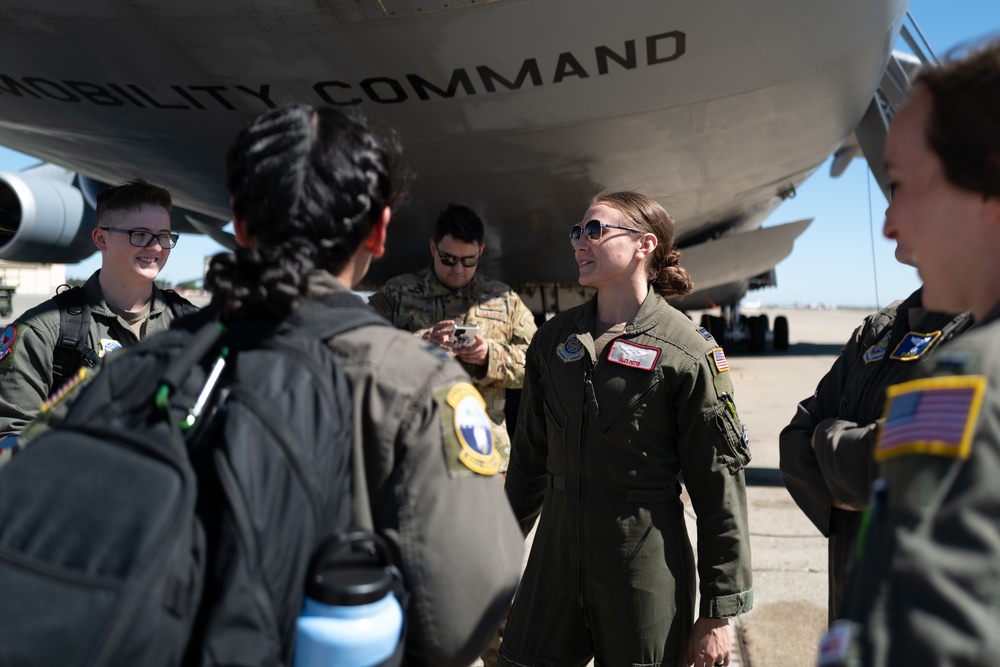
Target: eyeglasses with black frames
{"type": "Point", "coordinates": [594, 229]}
{"type": "Point", "coordinates": [143, 239]}
{"type": "Point", "coordinates": [452, 260]}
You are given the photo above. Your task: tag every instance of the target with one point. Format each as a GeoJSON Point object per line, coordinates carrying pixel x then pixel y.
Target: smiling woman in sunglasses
{"type": "Point", "coordinates": [621, 396]}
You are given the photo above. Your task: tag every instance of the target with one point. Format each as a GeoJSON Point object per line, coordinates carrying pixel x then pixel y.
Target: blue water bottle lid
{"type": "Point", "coordinates": [350, 569]}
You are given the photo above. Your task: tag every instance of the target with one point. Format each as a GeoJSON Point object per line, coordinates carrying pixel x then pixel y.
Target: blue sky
{"type": "Point", "coordinates": [840, 260]}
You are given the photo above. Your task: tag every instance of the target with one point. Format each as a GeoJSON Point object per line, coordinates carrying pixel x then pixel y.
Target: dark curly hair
{"type": "Point", "coordinates": [663, 271]}
{"type": "Point", "coordinates": [308, 183]}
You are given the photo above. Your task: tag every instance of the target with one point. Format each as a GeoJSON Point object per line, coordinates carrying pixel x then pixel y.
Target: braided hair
{"type": "Point", "coordinates": [664, 272]}
{"type": "Point", "coordinates": [308, 184]}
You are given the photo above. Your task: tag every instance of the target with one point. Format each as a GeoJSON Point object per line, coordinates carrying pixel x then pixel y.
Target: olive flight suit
{"type": "Point", "coordinates": [927, 585]}
{"type": "Point", "coordinates": [418, 301]}
{"type": "Point", "coordinates": [27, 346]}
{"type": "Point", "coordinates": [842, 418]}
{"type": "Point", "coordinates": [597, 451]}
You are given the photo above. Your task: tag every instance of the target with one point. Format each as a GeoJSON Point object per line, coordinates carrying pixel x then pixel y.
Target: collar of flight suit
{"type": "Point", "coordinates": [92, 289]}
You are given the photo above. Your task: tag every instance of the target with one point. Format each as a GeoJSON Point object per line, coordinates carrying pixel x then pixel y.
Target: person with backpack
{"type": "Point", "coordinates": [311, 194]}
{"type": "Point", "coordinates": [117, 306]}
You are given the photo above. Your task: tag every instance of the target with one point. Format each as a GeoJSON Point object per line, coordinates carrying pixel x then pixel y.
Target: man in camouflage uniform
{"type": "Point", "coordinates": [429, 303]}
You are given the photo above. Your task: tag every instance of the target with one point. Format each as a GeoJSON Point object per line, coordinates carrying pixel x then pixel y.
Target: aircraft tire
{"type": "Point", "coordinates": [718, 330]}
{"type": "Point", "coordinates": [781, 333]}
{"type": "Point", "coordinates": [758, 334]}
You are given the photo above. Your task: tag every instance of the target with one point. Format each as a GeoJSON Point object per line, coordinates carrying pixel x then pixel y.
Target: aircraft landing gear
{"type": "Point", "coordinates": [753, 331]}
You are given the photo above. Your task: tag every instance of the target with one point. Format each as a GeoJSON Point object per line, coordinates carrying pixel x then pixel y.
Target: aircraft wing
{"type": "Point", "coordinates": [520, 109]}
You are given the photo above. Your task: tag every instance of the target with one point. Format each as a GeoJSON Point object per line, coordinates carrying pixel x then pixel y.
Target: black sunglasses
{"type": "Point", "coordinates": [143, 239]}
{"type": "Point", "coordinates": [594, 229]}
{"type": "Point", "coordinates": [452, 260]}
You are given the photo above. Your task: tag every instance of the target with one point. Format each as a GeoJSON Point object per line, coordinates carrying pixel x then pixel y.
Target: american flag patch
{"type": "Point", "coordinates": [931, 416]}
{"type": "Point", "coordinates": [720, 359]}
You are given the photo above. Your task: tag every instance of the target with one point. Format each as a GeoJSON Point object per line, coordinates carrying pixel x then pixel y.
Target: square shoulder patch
{"type": "Point", "coordinates": [935, 416]}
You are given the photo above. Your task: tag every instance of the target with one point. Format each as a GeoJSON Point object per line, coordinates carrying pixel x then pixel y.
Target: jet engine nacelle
{"type": "Point", "coordinates": [44, 217]}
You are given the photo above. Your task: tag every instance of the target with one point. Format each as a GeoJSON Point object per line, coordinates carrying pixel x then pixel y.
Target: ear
{"type": "Point", "coordinates": [243, 236]}
{"type": "Point", "coordinates": [434, 249]}
{"type": "Point", "coordinates": [100, 238]}
{"type": "Point", "coordinates": [647, 244]}
{"type": "Point", "coordinates": [375, 243]}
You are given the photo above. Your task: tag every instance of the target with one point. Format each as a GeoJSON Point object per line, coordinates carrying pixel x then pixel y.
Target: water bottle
{"type": "Point", "coordinates": [350, 618]}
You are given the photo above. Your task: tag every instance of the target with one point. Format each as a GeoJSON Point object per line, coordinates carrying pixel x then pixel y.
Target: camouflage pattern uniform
{"type": "Point", "coordinates": [418, 301]}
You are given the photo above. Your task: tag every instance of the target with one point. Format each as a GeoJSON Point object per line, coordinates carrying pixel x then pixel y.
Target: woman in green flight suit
{"type": "Point", "coordinates": [621, 396]}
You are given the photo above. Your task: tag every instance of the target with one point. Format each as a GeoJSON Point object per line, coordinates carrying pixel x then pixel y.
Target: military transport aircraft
{"type": "Point", "coordinates": [521, 109]}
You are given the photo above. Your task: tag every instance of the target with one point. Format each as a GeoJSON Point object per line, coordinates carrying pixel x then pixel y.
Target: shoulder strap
{"type": "Point", "coordinates": [72, 349]}
{"type": "Point", "coordinates": [178, 305]}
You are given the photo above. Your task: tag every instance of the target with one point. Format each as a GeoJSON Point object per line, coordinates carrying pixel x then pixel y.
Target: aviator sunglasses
{"type": "Point", "coordinates": [452, 260]}
{"type": "Point", "coordinates": [142, 239]}
{"type": "Point", "coordinates": [594, 229]}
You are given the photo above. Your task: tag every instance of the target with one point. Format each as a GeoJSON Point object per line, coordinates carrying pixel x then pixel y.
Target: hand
{"type": "Point", "coordinates": [440, 334]}
{"type": "Point", "coordinates": [711, 640]}
{"type": "Point", "coordinates": [476, 354]}
{"type": "Point", "coordinates": [845, 506]}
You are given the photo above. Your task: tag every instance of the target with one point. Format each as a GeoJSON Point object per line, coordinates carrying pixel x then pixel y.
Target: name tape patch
{"type": "Point", "coordinates": [633, 355]}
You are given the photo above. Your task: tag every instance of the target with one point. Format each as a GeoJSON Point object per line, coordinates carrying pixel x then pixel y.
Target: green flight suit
{"type": "Point", "coordinates": [26, 378]}
{"type": "Point", "coordinates": [418, 301]}
{"type": "Point", "coordinates": [597, 451]}
{"type": "Point", "coordinates": [842, 416]}
{"type": "Point", "coordinates": [927, 588]}
{"type": "Point", "coordinates": [450, 528]}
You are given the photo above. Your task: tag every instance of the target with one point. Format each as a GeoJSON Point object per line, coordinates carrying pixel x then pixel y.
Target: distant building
{"type": "Point", "coordinates": [32, 278]}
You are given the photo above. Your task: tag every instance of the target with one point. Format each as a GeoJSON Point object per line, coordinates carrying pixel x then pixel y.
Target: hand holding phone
{"type": "Point", "coordinates": [464, 335]}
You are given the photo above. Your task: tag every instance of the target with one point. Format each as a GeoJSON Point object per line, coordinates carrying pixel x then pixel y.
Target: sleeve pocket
{"type": "Point", "coordinates": [732, 443]}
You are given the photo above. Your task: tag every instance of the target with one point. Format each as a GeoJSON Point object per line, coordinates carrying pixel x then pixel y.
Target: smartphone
{"type": "Point", "coordinates": [464, 335]}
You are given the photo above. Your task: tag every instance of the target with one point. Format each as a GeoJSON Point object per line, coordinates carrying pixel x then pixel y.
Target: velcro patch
{"type": "Point", "coordinates": [877, 351]}
{"type": "Point", "coordinates": [633, 355]}
{"type": "Point", "coordinates": [466, 431]}
{"type": "Point", "coordinates": [934, 416]}
{"type": "Point", "coordinates": [913, 345]}
{"type": "Point", "coordinates": [7, 341]}
{"type": "Point", "coordinates": [704, 332]}
{"type": "Point", "coordinates": [719, 357]}
{"type": "Point", "coordinates": [109, 345]}
{"type": "Point", "coordinates": [571, 350]}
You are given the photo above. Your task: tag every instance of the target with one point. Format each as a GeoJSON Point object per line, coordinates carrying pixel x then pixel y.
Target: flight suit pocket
{"type": "Point", "coordinates": [732, 445]}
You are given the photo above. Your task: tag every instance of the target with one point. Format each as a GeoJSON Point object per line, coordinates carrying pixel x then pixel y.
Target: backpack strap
{"type": "Point", "coordinates": [71, 350]}
{"type": "Point", "coordinates": [178, 305]}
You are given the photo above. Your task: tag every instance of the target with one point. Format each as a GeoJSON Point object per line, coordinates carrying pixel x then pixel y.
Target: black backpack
{"type": "Point", "coordinates": [170, 517]}
{"type": "Point", "coordinates": [72, 349]}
